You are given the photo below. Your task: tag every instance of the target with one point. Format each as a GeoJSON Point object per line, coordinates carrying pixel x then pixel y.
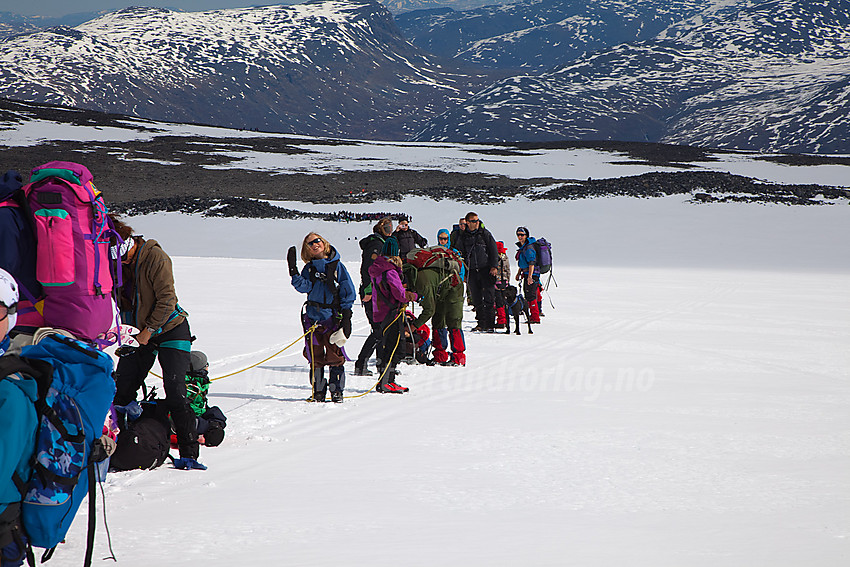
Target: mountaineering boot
{"type": "Point", "coordinates": [320, 385]}
{"type": "Point", "coordinates": [336, 384]}
{"type": "Point", "coordinates": [390, 388]}
{"type": "Point", "coordinates": [401, 389]}
{"type": "Point", "coordinates": [361, 370]}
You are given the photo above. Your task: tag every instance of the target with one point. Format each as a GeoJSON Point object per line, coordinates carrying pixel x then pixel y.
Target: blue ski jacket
{"type": "Point", "coordinates": [320, 296]}
{"type": "Point", "coordinates": [526, 255]}
{"type": "Point", "coordinates": [18, 423]}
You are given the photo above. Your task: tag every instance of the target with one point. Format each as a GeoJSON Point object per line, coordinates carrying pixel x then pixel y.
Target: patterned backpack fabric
{"type": "Point", "coordinates": [73, 237]}
{"type": "Point", "coordinates": [71, 417]}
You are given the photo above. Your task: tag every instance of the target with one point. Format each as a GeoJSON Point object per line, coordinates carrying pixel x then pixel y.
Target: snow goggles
{"type": "Point", "coordinates": [121, 250]}
{"type": "Point", "coordinates": [6, 310]}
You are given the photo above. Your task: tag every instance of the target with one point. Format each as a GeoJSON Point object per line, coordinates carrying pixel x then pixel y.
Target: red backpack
{"type": "Point", "coordinates": [437, 257]}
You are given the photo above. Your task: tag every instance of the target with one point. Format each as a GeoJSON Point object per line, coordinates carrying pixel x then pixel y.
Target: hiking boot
{"type": "Point", "coordinates": [390, 388]}
{"type": "Point", "coordinates": [319, 396]}
{"type": "Point", "coordinates": [336, 396]}
{"type": "Point", "coordinates": [476, 329]}
{"type": "Point", "coordinates": [400, 387]}
{"type": "Point", "coordinates": [449, 363]}
{"type": "Point", "coordinates": [362, 371]}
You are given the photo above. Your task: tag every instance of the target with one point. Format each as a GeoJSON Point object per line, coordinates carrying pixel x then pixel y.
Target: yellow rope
{"type": "Point", "coordinates": [310, 330]}
{"type": "Point", "coordinates": [387, 367]}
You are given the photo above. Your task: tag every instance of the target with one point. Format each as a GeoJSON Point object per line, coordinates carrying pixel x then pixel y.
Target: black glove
{"type": "Point", "coordinates": [290, 257]}
{"type": "Point", "coordinates": [346, 322]}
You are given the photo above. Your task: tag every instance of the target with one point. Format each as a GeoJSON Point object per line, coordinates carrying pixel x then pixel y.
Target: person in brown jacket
{"type": "Point", "coordinates": [148, 301]}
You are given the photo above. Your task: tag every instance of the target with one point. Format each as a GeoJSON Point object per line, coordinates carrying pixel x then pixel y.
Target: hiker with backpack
{"type": "Point", "coordinates": [18, 421]}
{"type": "Point", "coordinates": [211, 420]}
{"type": "Point", "coordinates": [408, 239]}
{"type": "Point", "coordinates": [18, 250]}
{"type": "Point", "coordinates": [447, 287]}
{"type": "Point", "coordinates": [388, 300]}
{"type": "Point", "coordinates": [371, 247]}
{"type": "Point", "coordinates": [148, 301]}
{"type": "Point", "coordinates": [55, 241]}
{"type": "Point", "coordinates": [330, 296]}
{"type": "Point", "coordinates": [54, 397]}
{"type": "Point", "coordinates": [528, 271]}
{"type": "Point", "coordinates": [503, 280]}
{"type": "Point", "coordinates": [479, 250]}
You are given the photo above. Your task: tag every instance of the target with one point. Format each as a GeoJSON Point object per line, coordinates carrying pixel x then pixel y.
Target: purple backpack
{"type": "Point", "coordinates": [544, 254]}
{"type": "Point", "coordinates": [73, 239]}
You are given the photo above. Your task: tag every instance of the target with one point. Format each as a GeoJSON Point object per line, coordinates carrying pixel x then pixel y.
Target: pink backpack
{"type": "Point", "coordinates": [73, 239]}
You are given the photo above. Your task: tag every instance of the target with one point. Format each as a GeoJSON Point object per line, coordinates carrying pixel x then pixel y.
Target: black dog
{"type": "Point", "coordinates": [516, 304]}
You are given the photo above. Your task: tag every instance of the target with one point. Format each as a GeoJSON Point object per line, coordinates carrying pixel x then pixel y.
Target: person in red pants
{"type": "Point", "coordinates": [528, 272]}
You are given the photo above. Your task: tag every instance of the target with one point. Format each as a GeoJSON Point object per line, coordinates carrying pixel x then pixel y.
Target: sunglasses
{"type": "Point", "coordinates": [6, 310]}
{"type": "Point", "coordinates": [443, 238]}
{"type": "Point", "coordinates": [314, 241]}
{"type": "Point", "coordinates": [475, 221]}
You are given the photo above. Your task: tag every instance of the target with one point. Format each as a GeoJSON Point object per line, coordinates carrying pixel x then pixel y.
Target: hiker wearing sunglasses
{"type": "Point", "coordinates": [481, 255]}
{"type": "Point", "coordinates": [330, 295]}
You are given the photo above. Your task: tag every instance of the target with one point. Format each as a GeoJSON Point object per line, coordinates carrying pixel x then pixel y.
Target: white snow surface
{"type": "Point", "coordinates": [684, 403]}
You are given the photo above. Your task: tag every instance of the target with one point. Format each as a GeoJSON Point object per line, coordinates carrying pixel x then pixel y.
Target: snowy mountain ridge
{"type": "Point", "coordinates": [761, 75]}
{"type": "Point", "coordinates": [541, 34]}
{"type": "Point", "coordinates": [268, 68]}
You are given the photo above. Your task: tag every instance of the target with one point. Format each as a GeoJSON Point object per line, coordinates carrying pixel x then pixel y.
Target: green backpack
{"type": "Point", "coordinates": [197, 388]}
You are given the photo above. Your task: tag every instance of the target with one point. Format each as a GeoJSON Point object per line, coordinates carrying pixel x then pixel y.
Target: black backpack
{"type": "Point", "coordinates": [143, 443]}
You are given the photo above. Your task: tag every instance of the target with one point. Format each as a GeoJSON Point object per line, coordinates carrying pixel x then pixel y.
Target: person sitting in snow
{"type": "Point", "coordinates": [211, 420]}
{"type": "Point", "coordinates": [330, 295]}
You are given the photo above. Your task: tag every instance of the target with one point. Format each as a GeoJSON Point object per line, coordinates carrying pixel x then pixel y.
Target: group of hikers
{"type": "Point", "coordinates": [79, 289]}
{"type": "Point", "coordinates": [75, 284]}
{"type": "Point", "coordinates": [397, 269]}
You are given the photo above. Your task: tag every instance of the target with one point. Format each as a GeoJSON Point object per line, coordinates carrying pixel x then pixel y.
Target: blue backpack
{"type": "Point", "coordinates": [71, 417]}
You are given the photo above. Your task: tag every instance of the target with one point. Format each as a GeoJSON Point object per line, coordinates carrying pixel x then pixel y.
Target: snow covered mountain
{"type": "Point", "coordinates": [336, 67]}
{"type": "Point", "coordinates": [13, 24]}
{"type": "Point", "coordinates": [752, 74]}
{"type": "Point", "coordinates": [541, 34]}
{"type": "Point", "coordinates": [402, 6]}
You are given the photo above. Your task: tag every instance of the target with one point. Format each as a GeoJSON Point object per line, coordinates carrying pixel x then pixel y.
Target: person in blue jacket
{"type": "Point", "coordinates": [18, 424]}
{"type": "Point", "coordinates": [330, 295]}
{"type": "Point", "coordinates": [528, 272]}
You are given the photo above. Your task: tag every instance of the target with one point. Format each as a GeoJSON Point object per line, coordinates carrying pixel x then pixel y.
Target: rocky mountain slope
{"type": "Point", "coordinates": [537, 35]}
{"type": "Point", "coordinates": [753, 74]}
{"type": "Point", "coordinates": [335, 67]}
{"type": "Point", "coordinates": [145, 166]}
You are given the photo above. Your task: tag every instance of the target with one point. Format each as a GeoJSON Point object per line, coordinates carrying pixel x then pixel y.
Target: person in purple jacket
{"type": "Point", "coordinates": [388, 300]}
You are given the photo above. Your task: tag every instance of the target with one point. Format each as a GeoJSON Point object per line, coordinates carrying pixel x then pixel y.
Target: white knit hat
{"type": "Point", "coordinates": [9, 295]}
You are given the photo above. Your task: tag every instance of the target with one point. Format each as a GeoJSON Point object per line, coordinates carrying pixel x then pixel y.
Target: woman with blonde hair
{"type": "Point", "coordinates": [330, 295]}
